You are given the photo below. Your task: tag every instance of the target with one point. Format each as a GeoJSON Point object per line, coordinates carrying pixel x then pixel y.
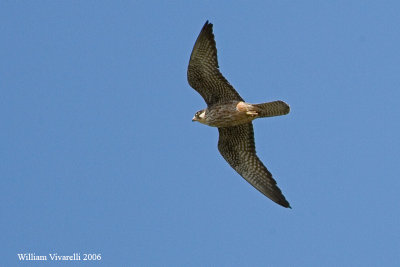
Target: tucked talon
{"type": "Point", "coordinates": [252, 113]}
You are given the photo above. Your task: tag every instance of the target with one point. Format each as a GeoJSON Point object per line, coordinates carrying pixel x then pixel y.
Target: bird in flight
{"type": "Point", "coordinates": [233, 117]}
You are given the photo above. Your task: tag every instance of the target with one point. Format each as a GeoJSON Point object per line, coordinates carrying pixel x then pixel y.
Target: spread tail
{"type": "Point", "coordinates": [270, 109]}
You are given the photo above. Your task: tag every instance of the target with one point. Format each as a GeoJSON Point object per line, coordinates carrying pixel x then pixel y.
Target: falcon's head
{"type": "Point", "coordinates": [200, 116]}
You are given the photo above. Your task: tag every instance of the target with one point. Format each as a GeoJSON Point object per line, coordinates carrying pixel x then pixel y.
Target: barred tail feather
{"type": "Point", "coordinates": [270, 109]}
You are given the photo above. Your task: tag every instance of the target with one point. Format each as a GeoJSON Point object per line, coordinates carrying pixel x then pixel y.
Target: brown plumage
{"type": "Point", "coordinates": [227, 110]}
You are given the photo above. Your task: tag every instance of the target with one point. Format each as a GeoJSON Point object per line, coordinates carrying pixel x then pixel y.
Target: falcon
{"type": "Point", "coordinates": [233, 117]}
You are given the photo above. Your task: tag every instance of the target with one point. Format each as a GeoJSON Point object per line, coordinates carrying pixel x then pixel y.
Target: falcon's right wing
{"type": "Point", "coordinates": [236, 145]}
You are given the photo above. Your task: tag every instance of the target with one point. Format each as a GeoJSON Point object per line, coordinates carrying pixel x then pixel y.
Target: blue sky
{"type": "Point", "coordinates": [99, 154]}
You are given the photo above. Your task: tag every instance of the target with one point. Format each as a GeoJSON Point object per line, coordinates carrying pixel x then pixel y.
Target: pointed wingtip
{"type": "Point", "coordinates": [207, 24]}
{"type": "Point", "coordinates": [284, 203]}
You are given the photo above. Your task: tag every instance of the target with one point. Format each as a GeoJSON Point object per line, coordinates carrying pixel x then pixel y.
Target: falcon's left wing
{"type": "Point", "coordinates": [203, 73]}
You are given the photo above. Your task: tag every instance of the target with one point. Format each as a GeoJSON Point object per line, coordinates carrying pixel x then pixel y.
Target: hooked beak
{"type": "Point", "coordinates": [194, 119]}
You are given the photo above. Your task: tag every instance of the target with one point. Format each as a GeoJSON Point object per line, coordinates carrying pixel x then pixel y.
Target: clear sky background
{"type": "Point", "coordinates": [99, 154]}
